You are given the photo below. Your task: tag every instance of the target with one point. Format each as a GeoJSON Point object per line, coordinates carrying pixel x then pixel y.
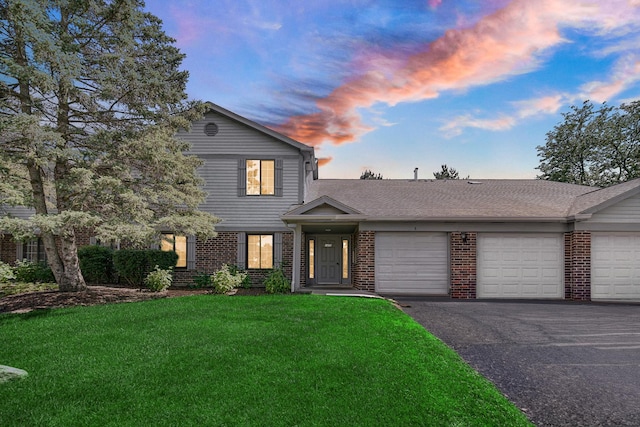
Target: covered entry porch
{"type": "Point", "coordinates": [324, 244]}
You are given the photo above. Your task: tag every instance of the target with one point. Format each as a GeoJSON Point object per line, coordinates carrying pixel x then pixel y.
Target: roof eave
{"type": "Point", "coordinates": [363, 218]}
{"type": "Point", "coordinates": [470, 219]}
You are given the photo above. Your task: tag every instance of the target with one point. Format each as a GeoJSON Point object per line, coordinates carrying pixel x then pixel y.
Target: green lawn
{"type": "Point", "coordinates": [208, 360]}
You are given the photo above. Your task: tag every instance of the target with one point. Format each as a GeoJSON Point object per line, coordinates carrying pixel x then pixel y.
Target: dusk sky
{"type": "Point", "coordinates": [392, 85]}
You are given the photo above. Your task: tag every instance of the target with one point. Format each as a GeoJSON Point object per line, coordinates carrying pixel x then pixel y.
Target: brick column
{"type": "Point", "coordinates": [463, 265]}
{"type": "Point", "coordinates": [364, 271]}
{"type": "Point", "coordinates": [579, 265]}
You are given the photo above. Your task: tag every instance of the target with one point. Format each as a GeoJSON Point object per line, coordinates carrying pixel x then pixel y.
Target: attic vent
{"type": "Point", "coordinates": [474, 182]}
{"type": "Point", "coordinates": [211, 129]}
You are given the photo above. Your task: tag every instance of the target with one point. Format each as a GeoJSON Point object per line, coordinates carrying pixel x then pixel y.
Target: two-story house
{"type": "Point", "coordinates": [463, 238]}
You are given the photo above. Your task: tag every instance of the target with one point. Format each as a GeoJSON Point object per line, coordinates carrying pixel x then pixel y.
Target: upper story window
{"type": "Point", "coordinates": [261, 177]}
{"type": "Point", "coordinates": [178, 244]}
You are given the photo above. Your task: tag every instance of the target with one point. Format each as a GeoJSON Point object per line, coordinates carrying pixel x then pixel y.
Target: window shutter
{"type": "Point", "coordinates": [278, 178]}
{"type": "Point", "coordinates": [19, 251]}
{"type": "Point", "coordinates": [277, 249]}
{"type": "Point", "coordinates": [154, 246]}
{"type": "Point", "coordinates": [242, 177]}
{"type": "Point", "coordinates": [93, 241]}
{"type": "Point", "coordinates": [191, 252]}
{"type": "Point", "coordinates": [242, 251]}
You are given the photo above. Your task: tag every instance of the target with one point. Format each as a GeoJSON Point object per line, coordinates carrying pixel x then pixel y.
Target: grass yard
{"type": "Point", "coordinates": [292, 360]}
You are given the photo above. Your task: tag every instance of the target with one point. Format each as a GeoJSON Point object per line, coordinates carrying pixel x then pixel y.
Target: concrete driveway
{"type": "Point", "coordinates": [562, 363]}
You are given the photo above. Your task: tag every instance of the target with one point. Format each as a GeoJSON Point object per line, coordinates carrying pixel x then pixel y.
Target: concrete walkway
{"type": "Point", "coordinates": [338, 291]}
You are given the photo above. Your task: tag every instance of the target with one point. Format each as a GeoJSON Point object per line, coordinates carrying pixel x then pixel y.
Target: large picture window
{"type": "Point", "coordinates": [261, 177]}
{"type": "Point", "coordinates": [260, 251]}
{"type": "Point", "coordinates": [178, 244]}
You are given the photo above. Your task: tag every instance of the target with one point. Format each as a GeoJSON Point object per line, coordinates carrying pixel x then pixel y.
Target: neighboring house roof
{"type": "Point", "coordinates": [601, 198]}
{"type": "Point", "coordinates": [218, 109]}
{"type": "Point", "coordinates": [450, 199]}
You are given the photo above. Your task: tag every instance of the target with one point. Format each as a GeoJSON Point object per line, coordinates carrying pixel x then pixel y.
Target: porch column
{"type": "Point", "coordinates": [297, 257]}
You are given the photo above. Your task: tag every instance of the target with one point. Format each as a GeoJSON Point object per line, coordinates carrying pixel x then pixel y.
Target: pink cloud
{"type": "Point", "coordinates": [191, 27]}
{"type": "Point", "coordinates": [455, 126]}
{"type": "Point", "coordinates": [324, 161]}
{"type": "Point", "coordinates": [625, 72]}
{"type": "Point", "coordinates": [433, 4]}
{"type": "Point", "coordinates": [544, 105]}
{"type": "Point", "coordinates": [503, 44]}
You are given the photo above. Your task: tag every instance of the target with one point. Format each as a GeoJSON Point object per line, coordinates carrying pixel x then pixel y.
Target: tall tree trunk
{"type": "Point", "coordinates": [72, 279]}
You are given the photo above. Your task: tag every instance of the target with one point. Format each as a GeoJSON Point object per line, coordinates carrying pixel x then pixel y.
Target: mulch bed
{"type": "Point", "coordinates": [24, 303]}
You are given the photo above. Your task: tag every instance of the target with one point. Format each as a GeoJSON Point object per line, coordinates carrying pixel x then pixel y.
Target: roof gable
{"type": "Point", "coordinates": [599, 199]}
{"type": "Point", "coordinates": [250, 123]}
{"type": "Point", "coordinates": [323, 206]}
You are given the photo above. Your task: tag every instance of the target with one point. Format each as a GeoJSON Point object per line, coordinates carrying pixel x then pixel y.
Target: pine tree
{"type": "Point", "coordinates": [91, 97]}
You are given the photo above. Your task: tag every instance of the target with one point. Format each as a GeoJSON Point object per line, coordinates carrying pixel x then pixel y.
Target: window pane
{"type": "Point", "coordinates": [268, 177]}
{"type": "Point", "coordinates": [177, 244]}
{"type": "Point", "coordinates": [345, 259]}
{"type": "Point", "coordinates": [266, 254]}
{"type": "Point", "coordinates": [253, 177]}
{"type": "Point", "coordinates": [181, 250]}
{"type": "Point", "coordinates": [312, 258]}
{"type": "Point", "coordinates": [167, 242]}
{"type": "Point", "coordinates": [253, 251]}
{"type": "Point", "coordinates": [31, 250]}
{"type": "Point", "coordinates": [260, 251]}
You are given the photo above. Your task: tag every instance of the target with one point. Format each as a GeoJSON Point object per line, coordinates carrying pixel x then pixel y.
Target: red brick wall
{"type": "Point", "coordinates": [8, 250]}
{"type": "Point", "coordinates": [364, 269]}
{"type": "Point", "coordinates": [579, 265]}
{"type": "Point", "coordinates": [463, 265]}
{"type": "Point", "coordinates": [303, 260]}
{"type": "Point", "coordinates": [212, 253]}
{"type": "Point", "coordinates": [567, 265]}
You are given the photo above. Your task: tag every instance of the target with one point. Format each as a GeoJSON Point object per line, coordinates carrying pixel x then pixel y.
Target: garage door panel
{"type": "Point", "coordinates": [615, 261]}
{"type": "Point", "coordinates": [520, 266]}
{"type": "Point", "coordinates": [412, 263]}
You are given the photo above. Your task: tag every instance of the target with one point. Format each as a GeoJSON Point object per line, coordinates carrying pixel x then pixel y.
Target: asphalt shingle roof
{"type": "Point", "coordinates": [452, 198]}
{"type": "Point", "coordinates": [595, 198]}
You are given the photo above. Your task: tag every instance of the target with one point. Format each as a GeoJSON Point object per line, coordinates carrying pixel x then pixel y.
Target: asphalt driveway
{"type": "Point", "coordinates": [562, 363]}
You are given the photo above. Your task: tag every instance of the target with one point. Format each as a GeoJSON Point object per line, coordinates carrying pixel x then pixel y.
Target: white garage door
{"type": "Point", "coordinates": [412, 263]}
{"type": "Point", "coordinates": [615, 266]}
{"type": "Point", "coordinates": [520, 266]}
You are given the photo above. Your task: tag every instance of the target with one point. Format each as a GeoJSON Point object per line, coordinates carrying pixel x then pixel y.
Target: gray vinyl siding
{"type": "Point", "coordinates": [233, 138]}
{"type": "Point", "coordinates": [625, 211]}
{"type": "Point", "coordinates": [246, 212]}
{"type": "Point", "coordinates": [17, 212]}
{"type": "Point", "coordinates": [223, 153]}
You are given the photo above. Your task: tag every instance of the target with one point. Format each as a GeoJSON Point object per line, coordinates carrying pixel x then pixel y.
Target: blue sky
{"type": "Point", "coordinates": [391, 85]}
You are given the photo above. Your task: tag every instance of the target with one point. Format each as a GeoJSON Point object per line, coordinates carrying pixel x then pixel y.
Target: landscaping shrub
{"type": "Point", "coordinates": [276, 282]}
{"type": "Point", "coordinates": [158, 280]}
{"type": "Point", "coordinates": [227, 278]}
{"type": "Point", "coordinates": [246, 282]}
{"type": "Point", "coordinates": [33, 272]}
{"type": "Point", "coordinates": [96, 264]}
{"type": "Point", "coordinates": [163, 259]}
{"type": "Point", "coordinates": [6, 273]}
{"type": "Point", "coordinates": [133, 265]}
{"type": "Point", "coordinates": [202, 280]}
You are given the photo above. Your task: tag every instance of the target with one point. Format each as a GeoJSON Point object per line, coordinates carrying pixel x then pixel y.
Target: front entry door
{"type": "Point", "coordinates": [329, 262]}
